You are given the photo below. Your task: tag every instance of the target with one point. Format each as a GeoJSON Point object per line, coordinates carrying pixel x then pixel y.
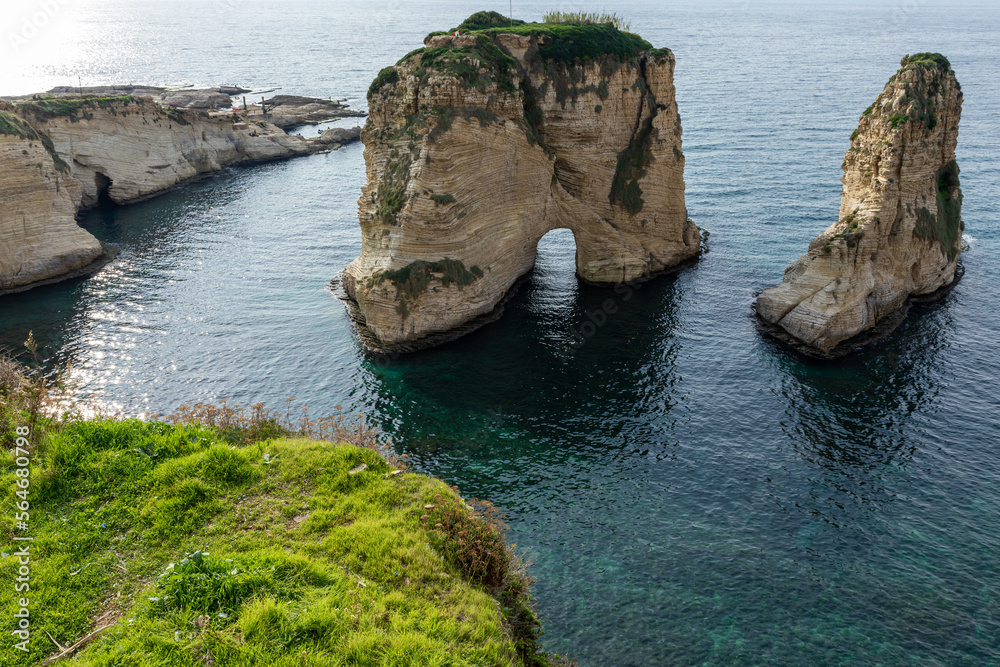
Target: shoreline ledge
{"type": "Point", "coordinates": [108, 255]}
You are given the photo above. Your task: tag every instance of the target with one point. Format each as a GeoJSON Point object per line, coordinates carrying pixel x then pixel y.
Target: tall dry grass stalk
{"type": "Point", "coordinates": [44, 402]}
{"type": "Point", "coordinates": [587, 18]}
{"type": "Point", "coordinates": [31, 397]}
{"type": "Point", "coordinates": [256, 422]}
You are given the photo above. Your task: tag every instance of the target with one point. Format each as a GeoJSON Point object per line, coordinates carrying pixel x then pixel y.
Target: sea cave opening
{"type": "Point", "coordinates": [103, 184]}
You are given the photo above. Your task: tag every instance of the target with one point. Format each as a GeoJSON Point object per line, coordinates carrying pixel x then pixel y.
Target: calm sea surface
{"type": "Point", "coordinates": [690, 493]}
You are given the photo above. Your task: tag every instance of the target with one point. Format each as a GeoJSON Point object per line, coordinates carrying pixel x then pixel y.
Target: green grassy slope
{"type": "Point", "coordinates": [196, 551]}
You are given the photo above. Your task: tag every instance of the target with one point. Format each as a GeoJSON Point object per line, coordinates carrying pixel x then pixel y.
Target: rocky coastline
{"type": "Point", "coordinates": [63, 154]}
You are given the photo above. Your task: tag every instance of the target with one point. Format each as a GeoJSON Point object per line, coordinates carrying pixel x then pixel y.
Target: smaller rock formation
{"type": "Point", "coordinates": [336, 137]}
{"type": "Point", "coordinates": [288, 111]}
{"type": "Point", "coordinates": [898, 238]}
{"type": "Point", "coordinates": [39, 237]}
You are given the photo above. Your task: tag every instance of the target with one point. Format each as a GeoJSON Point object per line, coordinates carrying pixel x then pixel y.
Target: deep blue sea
{"type": "Point", "coordinates": [689, 492]}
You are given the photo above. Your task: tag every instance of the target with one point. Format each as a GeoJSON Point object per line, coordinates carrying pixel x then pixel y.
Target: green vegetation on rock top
{"type": "Point", "coordinates": [574, 36]}
{"type": "Point", "coordinates": [571, 42]}
{"type": "Point", "coordinates": [67, 106]}
{"type": "Point", "coordinates": [926, 60]}
{"type": "Point", "coordinates": [480, 66]}
{"type": "Point", "coordinates": [485, 20]}
{"type": "Point", "coordinates": [387, 76]}
{"type": "Point", "coordinates": [919, 92]}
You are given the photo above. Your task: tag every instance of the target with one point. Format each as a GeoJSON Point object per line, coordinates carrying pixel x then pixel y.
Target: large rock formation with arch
{"type": "Point", "coordinates": [898, 236]}
{"type": "Point", "coordinates": [479, 144]}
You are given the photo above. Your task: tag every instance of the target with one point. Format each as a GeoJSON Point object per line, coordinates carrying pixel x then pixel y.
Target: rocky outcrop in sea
{"type": "Point", "coordinates": [898, 236]}
{"type": "Point", "coordinates": [479, 144]}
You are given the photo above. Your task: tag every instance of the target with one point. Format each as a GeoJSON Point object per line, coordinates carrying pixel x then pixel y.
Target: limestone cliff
{"type": "Point", "coordinates": [39, 237]}
{"type": "Point", "coordinates": [131, 148]}
{"type": "Point", "coordinates": [898, 236]}
{"type": "Point", "coordinates": [479, 144]}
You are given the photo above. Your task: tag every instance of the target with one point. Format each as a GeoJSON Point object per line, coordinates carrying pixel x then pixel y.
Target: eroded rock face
{"type": "Point", "coordinates": [39, 237]}
{"type": "Point", "coordinates": [478, 145]}
{"type": "Point", "coordinates": [132, 148]}
{"type": "Point", "coordinates": [899, 232]}
{"type": "Point", "coordinates": [61, 155]}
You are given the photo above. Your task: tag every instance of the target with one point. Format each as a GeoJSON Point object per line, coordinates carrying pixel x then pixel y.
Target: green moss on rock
{"type": "Point", "coordinates": [69, 106]}
{"type": "Point", "coordinates": [945, 225]}
{"type": "Point", "coordinates": [391, 194]}
{"type": "Point", "coordinates": [13, 125]}
{"type": "Point", "coordinates": [444, 199]}
{"type": "Point", "coordinates": [16, 126]}
{"type": "Point", "coordinates": [632, 163]}
{"type": "Point", "coordinates": [413, 279]}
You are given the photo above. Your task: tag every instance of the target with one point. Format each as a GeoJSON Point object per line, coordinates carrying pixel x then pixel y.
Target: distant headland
{"type": "Point", "coordinates": [64, 151]}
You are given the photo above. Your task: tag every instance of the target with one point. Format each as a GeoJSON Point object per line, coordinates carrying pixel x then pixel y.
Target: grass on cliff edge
{"type": "Point", "coordinates": [190, 549]}
{"type": "Point", "coordinates": [67, 106]}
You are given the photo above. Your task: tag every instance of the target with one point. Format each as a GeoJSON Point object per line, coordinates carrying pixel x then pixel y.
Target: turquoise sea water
{"type": "Point", "coordinates": [690, 493]}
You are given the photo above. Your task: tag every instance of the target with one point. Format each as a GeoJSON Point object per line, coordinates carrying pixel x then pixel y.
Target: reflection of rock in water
{"type": "Point", "coordinates": [498, 392]}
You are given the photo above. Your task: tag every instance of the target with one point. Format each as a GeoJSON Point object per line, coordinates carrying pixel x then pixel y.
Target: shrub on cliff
{"type": "Point", "coordinates": [484, 20]}
{"type": "Point", "coordinates": [586, 18]}
{"type": "Point", "coordinates": [387, 76]}
{"type": "Point", "coordinates": [572, 42]}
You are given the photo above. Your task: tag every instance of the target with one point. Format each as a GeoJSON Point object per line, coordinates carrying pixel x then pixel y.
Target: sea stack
{"type": "Point", "coordinates": [898, 237]}
{"type": "Point", "coordinates": [481, 142]}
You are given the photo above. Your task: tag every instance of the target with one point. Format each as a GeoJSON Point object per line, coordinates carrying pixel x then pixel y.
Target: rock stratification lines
{"type": "Point", "coordinates": [898, 237]}
{"type": "Point", "coordinates": [479, 144]}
